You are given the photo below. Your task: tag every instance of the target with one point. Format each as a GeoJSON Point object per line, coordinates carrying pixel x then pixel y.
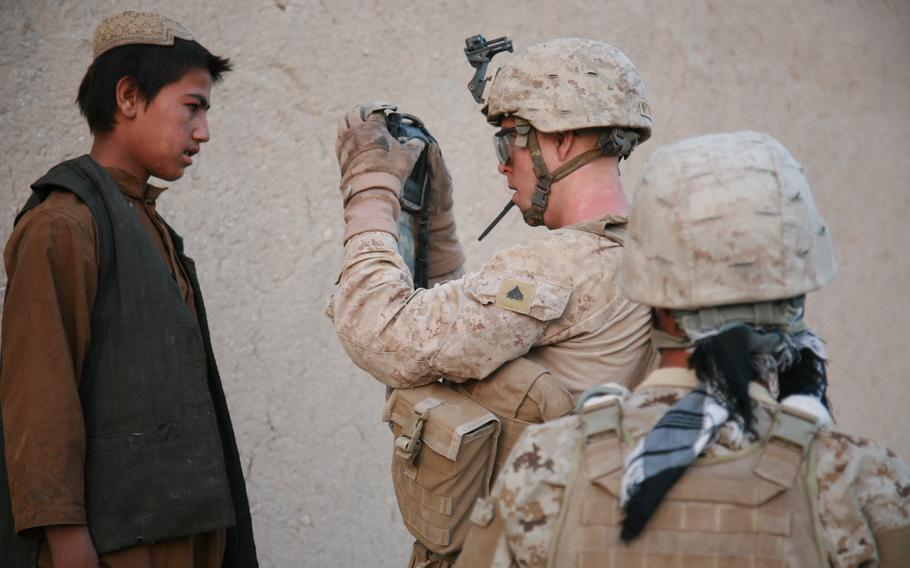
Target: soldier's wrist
{"type": "Point", "coordinates": [370, 181]}
{"type": "Point", "coordinates": [372, 210]}
{"type": "Point", "coordinates": [442, 222]}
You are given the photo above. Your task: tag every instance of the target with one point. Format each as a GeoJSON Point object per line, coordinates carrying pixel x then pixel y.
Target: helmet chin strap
{"type": "Point", "coordinates": [546, 178]}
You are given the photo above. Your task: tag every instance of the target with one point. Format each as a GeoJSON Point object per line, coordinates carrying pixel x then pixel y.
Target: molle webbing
{"type": "Point", "coordinates": [445, 446]}
{"type": "Point", "coordinates": [451, 439]}
{"type": "Point", "coordinates": [750, 508]}
{"type": "Point", "coordinates": [505, 392]}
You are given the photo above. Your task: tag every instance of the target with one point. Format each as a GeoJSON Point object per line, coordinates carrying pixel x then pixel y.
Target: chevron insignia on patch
{"type": "Point", "coordinates": [516, 295]}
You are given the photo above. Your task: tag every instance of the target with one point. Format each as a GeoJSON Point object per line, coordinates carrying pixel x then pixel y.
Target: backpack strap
{"type": "Point", "coordinates": [791, 437]}
{"type": "Point", "coordinates": [599, 446]}
{"type": "Point", "coordinates": [601, 419]}
{"type": "Point", "coordinates": [608, 389]}
{"type": "Point", "coordinates": [821, 543]}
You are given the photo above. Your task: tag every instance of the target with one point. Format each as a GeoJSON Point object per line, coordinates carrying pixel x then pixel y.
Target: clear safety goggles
{"type": "Point", "coordinates": [503, 141]}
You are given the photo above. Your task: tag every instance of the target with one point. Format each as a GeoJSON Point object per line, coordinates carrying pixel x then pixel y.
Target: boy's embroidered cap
{"type": "Point", "coordinates": [127, 28]}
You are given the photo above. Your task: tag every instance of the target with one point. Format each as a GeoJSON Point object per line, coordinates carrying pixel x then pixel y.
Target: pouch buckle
{"type": "Point", "coordinates": [408, 443]}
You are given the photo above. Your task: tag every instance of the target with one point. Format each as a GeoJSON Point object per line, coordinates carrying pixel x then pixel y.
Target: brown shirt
{"type": "Point", "coordinates": [52, 261]}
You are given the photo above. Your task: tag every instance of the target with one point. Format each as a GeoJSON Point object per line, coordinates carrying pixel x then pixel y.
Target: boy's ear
{"type": "Point", "coordinates": [128, 97]}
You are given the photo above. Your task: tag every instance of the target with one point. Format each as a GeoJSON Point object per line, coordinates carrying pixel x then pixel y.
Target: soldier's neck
{"type": "Point", "coordinates": [674, 358]}
{"type": "Point", "coordinates": [586, 198]}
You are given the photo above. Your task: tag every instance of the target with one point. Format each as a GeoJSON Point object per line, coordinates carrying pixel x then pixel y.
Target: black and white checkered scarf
{"type": "Point", "coordinates": [725, 362]}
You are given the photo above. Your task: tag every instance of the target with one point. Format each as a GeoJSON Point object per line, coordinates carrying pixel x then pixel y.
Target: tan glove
{"type": "Point", "coordinates": [444, 254]}
{"type": "Point", "coordinates": [373, 168]}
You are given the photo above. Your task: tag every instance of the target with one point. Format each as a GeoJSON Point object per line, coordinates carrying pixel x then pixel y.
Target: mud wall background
{"type": "Point", "coordinates": [261, 214]}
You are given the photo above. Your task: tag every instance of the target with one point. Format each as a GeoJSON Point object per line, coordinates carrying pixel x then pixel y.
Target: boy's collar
{"type": "Point", "coordinates": [133, 186]}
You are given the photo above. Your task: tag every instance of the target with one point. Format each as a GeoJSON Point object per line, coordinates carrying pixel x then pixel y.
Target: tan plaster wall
{"type": "Point", "coordinates": [829, 78]}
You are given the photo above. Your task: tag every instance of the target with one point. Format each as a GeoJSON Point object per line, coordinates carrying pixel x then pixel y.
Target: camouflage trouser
{"type": "Point", "coordinates": [422, 557]}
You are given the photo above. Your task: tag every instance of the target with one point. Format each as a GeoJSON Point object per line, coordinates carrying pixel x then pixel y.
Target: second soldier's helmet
{"type": "Point", "coordinates": [570, 84]}
{"type": "Point", "coordinates": [724, 219]}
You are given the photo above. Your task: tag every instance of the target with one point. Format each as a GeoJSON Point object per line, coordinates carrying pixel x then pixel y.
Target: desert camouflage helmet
{"type": "Point", "coordinates": [570, 84]}
{"type": "Point", "coordinates": [724, 219]}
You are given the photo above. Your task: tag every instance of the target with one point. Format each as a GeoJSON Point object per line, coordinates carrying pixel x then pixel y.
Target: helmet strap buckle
{"type": "Point", "coordinates": [522, 130]}
{"type": "Point", "coordinates": [546, 179]}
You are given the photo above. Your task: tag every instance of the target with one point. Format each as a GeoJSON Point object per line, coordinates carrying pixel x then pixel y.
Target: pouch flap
{"type": "Point", "coordinates": [450, 417]}
{"type": "Point", "coordinates": [749, 492]}
{"type": "Point", "coordinates": [506, 388]}
{"type": "Point", "coordinates": [611, 482]}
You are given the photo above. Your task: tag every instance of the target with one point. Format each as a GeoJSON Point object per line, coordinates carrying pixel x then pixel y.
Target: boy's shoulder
{"type": "Point", "coordinates": [61, 210]}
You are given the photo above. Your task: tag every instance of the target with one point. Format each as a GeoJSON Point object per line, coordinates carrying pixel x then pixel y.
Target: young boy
{"type": "Point", "coordinates": [119, 448]}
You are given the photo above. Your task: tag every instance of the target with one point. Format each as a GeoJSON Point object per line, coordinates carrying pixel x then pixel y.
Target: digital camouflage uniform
{"type": "Point", "coordinates": [555, 297]}
{"type": "Point", "coordinates": [864, 488]}
{"type": "Point", "coordinates": [568, 313]}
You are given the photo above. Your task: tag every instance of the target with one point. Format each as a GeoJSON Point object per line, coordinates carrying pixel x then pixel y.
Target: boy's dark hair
{"type": "Point", "coordinates": [151, 68]}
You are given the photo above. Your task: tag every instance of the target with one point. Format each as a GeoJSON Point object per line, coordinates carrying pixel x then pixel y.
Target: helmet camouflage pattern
{"type": "Point", "coordinates": [724, 219]}
{"type": "Point", "coordinates": [570, 84]}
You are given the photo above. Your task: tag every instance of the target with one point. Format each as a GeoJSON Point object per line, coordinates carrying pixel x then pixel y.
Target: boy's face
{"type": "Point", "coordinates": [168, 132]}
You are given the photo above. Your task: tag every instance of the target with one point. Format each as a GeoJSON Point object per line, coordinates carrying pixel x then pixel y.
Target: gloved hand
{"type": "Point", "coordinates": [373, 168]}
{"type": "Point", "coordinates": [444, 254]}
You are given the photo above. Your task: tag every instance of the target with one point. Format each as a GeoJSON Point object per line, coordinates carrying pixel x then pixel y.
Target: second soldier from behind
{"type": "Point", "coordinates": [724, 456]}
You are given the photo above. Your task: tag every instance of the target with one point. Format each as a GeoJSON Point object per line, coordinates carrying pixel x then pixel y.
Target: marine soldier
{"type": "Point", "coordinates": [119, 448]}
{"type": "Point", "coordinates": [568, 111]}
{"type": "Point", "coordinates": [725, 243]}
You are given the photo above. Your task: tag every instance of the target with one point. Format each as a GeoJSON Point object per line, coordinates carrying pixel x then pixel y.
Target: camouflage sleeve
{"type": "Point", "coordinates": [486, 545]}
{"type": "Point", "coordinates": [864, 501]}
{"type": "Point", "coordinates": [530, 488]}
{"type": "Point", "coordinates": [453, 275]}
{"type": "Point", "coordinates": [460, 329]}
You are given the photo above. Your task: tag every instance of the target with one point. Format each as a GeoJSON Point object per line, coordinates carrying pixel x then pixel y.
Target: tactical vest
{"type": "Point", "coordinates": [756, 507]}
{"type": "Point", "coordinates": [161, 460]}
{"type": "Point", "coordinates": [452, 439]}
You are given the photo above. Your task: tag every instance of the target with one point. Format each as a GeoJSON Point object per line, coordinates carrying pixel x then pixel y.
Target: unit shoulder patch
{"type": "Point", "coordinates": [516, 295]}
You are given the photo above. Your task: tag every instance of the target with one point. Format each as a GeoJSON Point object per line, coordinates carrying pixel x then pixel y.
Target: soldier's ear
{"type": "Point", "coordinates": [128, 97]}
{"type": "Point", "coordinates": [564, 143]}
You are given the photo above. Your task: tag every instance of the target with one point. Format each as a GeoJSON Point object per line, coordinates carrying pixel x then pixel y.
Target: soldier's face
{"type": "Point", "coordinates": [166, 134]}
{"type": "Point", "coordinates": [519, 172]}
